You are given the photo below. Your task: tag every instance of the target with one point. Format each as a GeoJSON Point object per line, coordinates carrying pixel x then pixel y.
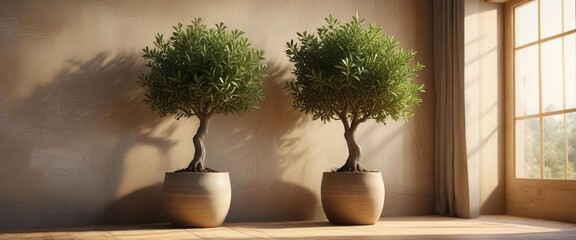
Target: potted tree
{"type": "Point", "coordinates": [201, 72]}
{"type": "Point", "coordinates": [351, 73]}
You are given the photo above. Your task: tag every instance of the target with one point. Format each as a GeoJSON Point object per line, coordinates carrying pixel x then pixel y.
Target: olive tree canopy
{"type": "Point", "coordinates": [352, 73]}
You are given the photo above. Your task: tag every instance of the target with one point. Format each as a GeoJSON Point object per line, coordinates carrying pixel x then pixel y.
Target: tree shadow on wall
{"type": "Point", "coordinates": [144, 205]}
{"type": "Point", "coordinates": [263, 155]}
{"type": "Point", "coordinates": [68, 140]}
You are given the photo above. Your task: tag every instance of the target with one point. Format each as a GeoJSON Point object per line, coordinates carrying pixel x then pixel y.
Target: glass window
{"type": "Point", "coordinates": [545, 89]}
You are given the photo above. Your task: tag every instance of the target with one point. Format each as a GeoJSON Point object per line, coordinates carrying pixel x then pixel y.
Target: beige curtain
{"type": "Point", "coordinates": [451, 168]}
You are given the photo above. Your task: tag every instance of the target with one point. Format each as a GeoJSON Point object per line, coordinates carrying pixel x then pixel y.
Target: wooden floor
{"type": "Point", "coordinates": [424, 227]}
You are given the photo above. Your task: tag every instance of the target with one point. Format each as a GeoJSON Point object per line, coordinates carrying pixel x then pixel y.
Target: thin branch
{"type": "Point", "coordinates": [363, 119]}
{"type": "Point", "coordinates": [186, 111]}
{"type": "Point", "coordinates": [194, 108]}
{"type": "Point", "coordinates": [211, 111]}
{"type": "Point", "coordinates": [206, 109]}
{"type": "Point", "coordinates": [355, 122]}
{"type": "Point", "coordinates": [344, 119]}
{"type": "Point", "coordinates": [354, 110]}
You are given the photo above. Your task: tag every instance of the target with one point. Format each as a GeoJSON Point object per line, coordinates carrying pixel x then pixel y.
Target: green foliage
{"type": "Point", "coordinates": [349, 71]}
{"type": "Point", "coordinates": [201, 71]}
{"type": "Point", "coordinates": [531, 148]}
{"type": "Point", "coordinates": [558, 146]}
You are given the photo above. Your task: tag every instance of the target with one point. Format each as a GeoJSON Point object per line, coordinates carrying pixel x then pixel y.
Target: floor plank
{"type": "Point", "coordinates": [417, 227]}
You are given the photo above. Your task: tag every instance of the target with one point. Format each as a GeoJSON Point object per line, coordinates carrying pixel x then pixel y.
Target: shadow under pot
{"type": "Point", "coordinates": [352, 198]}
{"type": "Point", "coordinates": [197, 199]}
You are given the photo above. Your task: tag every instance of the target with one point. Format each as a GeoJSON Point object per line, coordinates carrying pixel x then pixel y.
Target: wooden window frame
{"type": "Point", "coordinates": [510, 98]}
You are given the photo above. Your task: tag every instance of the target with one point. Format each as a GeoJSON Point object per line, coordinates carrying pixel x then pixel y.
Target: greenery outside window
{"type": "Point", "coordinates": [544, 75]}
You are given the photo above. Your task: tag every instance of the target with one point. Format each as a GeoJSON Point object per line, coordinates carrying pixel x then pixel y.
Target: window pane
{"type": "Point", "coordinates": [551, 21]}
{"type": "Point", "coordinates": [570, 70]}
{"type": "Point", "coordinates": [554, 147]}
{"type": "Point", "coordinates": [552, 79]}
{"type": "Point", "coordinates": [526, 23]}
{"type": "Point", "coordinates": [527, 96]}
{"type": "Point", "coordinates": [569, 15]}
{"type": "Point", "coordinates": [571, 133]}
{"type": "Point", "coordinates": [528, 163]}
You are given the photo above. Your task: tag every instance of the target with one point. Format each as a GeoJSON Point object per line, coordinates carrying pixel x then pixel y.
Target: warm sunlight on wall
{"type": "Point", "coordinates": [78, 146]}
{"type": "Point", "coordinates": [484, 103]}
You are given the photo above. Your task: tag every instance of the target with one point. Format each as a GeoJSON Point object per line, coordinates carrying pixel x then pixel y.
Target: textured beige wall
{"type": "Point", "coordinates": [483, 56]}
{"type": "Point", "coordinates": [77, 145]}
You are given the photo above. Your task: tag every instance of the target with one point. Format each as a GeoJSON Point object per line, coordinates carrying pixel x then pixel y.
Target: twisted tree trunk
{"type": "Point", "coordinates": [354, 151]}
{"type": "Point", "coordinates": [198, 162]}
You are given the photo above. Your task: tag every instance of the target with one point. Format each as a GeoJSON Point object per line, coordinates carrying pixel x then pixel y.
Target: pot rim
{"type": "Point", "coordinates": [197, 173]}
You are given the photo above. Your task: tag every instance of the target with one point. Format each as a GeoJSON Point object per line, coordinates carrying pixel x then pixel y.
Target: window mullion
{"type": "Point", "coordinates": [541, 120]}
{"type": "Point", "coordinates": [565, 149]}
{"type": "Point", "coordinates": [564, 97]}
{"type": "Point", "coordinates": [550, 38]}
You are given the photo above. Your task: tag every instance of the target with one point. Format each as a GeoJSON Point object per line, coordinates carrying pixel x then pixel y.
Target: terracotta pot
{"type": "Point", "coordinates": [197, 199]}
{"type": "Point", "coordinates": [352, 198]}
